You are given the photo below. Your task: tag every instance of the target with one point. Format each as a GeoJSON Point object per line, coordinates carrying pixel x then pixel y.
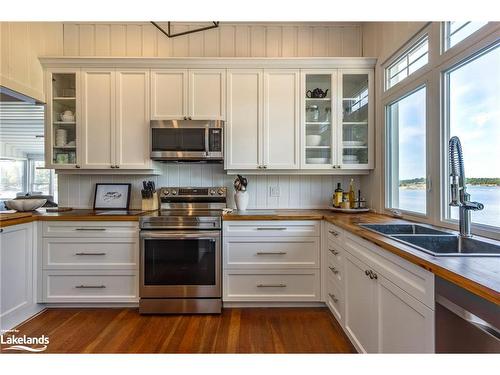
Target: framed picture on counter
{"type": "Point", "coordinates": [112, 196]}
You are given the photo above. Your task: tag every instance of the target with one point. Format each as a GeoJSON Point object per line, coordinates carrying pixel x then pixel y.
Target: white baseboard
{"type": "Point", "coordinates": [14, 320]}
{"type": "Point", "coordinates": [272, 304]}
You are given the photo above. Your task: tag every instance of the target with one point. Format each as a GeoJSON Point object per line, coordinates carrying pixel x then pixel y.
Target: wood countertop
{"type": "Point", "coordinates": [479, 275]}
{"type": "Point", "coordinates": [9, 219]}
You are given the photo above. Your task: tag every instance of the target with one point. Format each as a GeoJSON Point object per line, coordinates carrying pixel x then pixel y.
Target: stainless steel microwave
{"type": "Point", "coordinates": [187, 140]}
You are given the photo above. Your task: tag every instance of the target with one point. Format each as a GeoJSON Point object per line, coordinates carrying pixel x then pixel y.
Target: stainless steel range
{"type": "Point", "coordinates": [180, 252]}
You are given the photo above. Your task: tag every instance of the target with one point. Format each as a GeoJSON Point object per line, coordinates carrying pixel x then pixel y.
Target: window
{"type": "Point", "coordinates": [412, 60]}
{"type": "Point", "coordinates": [12, 178]}
{"type": "Point", "coordinates": [455, 32]}
{"type": "Point", "coordinates": [473, 114]}
{"type": "Point", "coordinates": [42, 181]}
{"type": "Point", "coordinates": [406, 153]}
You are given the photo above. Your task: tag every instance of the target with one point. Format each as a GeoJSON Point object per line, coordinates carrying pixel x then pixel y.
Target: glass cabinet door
{"type": "Point", "coordinates": [355, 115]}
{"type": "Point", "coordinates": [63, 118]}
{"type": "Point", "coordinates": [319, 131]}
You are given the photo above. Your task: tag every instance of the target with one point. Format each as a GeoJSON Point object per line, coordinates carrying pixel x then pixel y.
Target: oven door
{"type": "Point", "coordinates": [180, 264]}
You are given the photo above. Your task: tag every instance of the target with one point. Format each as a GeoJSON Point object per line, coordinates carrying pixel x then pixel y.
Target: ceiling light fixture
{"type": "Point", "coordinates": [172, 35]}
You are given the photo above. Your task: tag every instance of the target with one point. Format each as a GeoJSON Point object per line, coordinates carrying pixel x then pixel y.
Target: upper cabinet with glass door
{"type": "Point", "coordinates": [355, 132]}
{"type": "Point", "coordinates": [319, 95]}
{"type": "Point", "coordinates": [62, 113]}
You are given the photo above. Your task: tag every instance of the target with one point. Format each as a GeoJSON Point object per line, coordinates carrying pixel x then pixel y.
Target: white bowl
{"type": "Point", "coordinates": [24, 205]}
{"type": "Point", "coordinates": [350, 157]}
{"type": "Point", "coordinates": [317, 160]}
{"type": "Point", "coordinates": [313, 140]}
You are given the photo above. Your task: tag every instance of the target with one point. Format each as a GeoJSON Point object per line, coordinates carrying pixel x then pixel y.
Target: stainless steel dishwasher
{"type": "Point", "coordinates": [465, 322]}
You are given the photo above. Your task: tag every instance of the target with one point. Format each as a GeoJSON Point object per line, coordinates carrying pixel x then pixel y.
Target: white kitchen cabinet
{"type": "Point", "coordinates": [98, 119]}
{"type": "Point", "coordinates": [115, 119]}
{"type": "Point", "coordinates": [380, 315]}
{"type": "Point", "coordinates": [360, 305]}
{"type": "Point", "coordinates": [17, 269]}
{"type": "Point", "coordinates": [196, 94]}
{"type": "Point", "coordinates": [243, 136]}
{"type": "Point", "coordinates": [132, 143]}
{"type": "Point", "coordinates": [263, 119]}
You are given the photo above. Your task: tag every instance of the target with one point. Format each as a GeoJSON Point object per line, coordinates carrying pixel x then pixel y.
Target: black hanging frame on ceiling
{"type": "Point", "coordinates": [171, 35]}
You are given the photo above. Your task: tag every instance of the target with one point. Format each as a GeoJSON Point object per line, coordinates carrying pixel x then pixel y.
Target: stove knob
{"type": "Point", "coordinates": [220, 191]}
{"type": "Point", "coordinates": [174, 192]}
{"type": "Point", "coordinates": [166, 192]}
{"type": "Point", "coordinates": [212, 192]}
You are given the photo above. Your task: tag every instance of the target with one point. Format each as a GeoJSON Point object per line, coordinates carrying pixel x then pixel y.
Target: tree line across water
{"type": "Point", "coordinates": [486, 181]}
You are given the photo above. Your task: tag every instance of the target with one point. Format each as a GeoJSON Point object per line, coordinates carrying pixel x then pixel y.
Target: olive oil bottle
{"type": "Point", "coordinates": [337, 196]}
{"type": "Point", "coordinates": [352, 197]}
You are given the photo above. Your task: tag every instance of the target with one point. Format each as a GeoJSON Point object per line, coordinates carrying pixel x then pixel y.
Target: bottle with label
{"type": "Point", "coordinates": [352, 197]}
{"type": "Point", "coordinates": [337, 196]}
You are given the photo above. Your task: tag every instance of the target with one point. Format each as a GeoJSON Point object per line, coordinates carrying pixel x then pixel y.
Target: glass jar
{"type": "Point", "coordinates": [312, 113]}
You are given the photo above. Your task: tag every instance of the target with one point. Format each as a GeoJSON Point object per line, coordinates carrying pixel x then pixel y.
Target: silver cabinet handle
{"type": "Point", "coordinates": [90, 253]}
{"type": "Point", "coordinates": [280, 285]}
{"type": "Point", "coordinates": [367, 272]}
{"type": "Point", "coordinates": [334, 252]}
{"type": "Point", "coordinates": [374, 275]}
{"type": "Point", "coordinates": [91, 229]}
{"type": "Point", "coordinates": [332, 296]}
{"type": "Point", "coordinates": [90, 286]}
{"type": "Point", "coordinates": [117, 166]}
{"type": "Point", "coordinates": [333, 233]}
{"type": "Point", "coordinates": [270, 228]}
{"type": "Point", "coordinates": [112, 166]}
{"type": "Point", "coordinates": [334, 270]}
{"type": "Point", "coordinates": [271, 252]}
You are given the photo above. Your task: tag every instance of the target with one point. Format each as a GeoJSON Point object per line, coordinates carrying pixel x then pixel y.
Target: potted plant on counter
{"type": "Point", "coordinates": [241, 194]}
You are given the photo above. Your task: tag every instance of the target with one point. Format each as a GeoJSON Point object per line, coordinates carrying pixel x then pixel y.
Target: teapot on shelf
{"type": "Point", "coordinates": [316, 93]}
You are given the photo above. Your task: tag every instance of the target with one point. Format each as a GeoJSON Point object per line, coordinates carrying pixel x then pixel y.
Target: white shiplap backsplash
{"type": "Point", "coordinates": [296, 191]}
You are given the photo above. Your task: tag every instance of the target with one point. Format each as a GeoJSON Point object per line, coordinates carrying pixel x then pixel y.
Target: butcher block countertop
{"type": "Point", "coordinates": [479, 275]}
{"type": "Point", "coordinates": [7, 219]}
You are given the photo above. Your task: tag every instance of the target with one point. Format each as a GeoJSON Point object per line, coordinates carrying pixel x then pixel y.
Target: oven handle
{"type": "Point", "coordinates": [201, 234]}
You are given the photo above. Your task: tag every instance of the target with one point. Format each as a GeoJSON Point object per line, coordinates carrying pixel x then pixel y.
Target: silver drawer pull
{"type": "Point", "coordinates": [91, 229]}
{"type": "Point", "coordinates": [270, 228]}
{"type": "Point", "coordinates": [271, 252]}
{"type": "Point", "coordinates": [280, 285]}
{"type": "Point", "coordinates": [334, 270]}
{"type": "Point", "coordinates": [90, 286]}
{"type": "Point", "coordinates": [90, 253]}
{"type": "Point", "coordinates": [334, 252]}
{"type": "Point", "coordinates": [332, 296]}
{"type": "Point", "coordinates": [333, 233]}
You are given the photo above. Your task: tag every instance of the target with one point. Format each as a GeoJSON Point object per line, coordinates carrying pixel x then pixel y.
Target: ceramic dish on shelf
{"type": "Point", "coordinates": [313, 140]}
{"type": "Point", "coordinates": [350, 157]}
{"type": "Point", "coordinates": [317, 160]}
{"type": "Point", "coordinates": [353, 143]}
{"type": "Point", "coordinates": [351, 161]}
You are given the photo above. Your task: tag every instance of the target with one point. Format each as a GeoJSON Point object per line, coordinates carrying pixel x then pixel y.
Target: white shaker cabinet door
{"type": "Point", "coordinates": [17, 300]}
{"type": "Point", "coordinates": [360, 305]}
{"type": "Point", "coordinates": [98, 119]}
{"type": "Point", "coordinates": [207, 94]}
{"type": "Point", "coordinates": [405, 325]}
{"type": "Point", "coordinates": [169, 94]}
{"type": "Point", "coordinates": [281, 119]}
{"type": "Point", "coordinates": [244, 119]}
{"type": "Point", "coordinates": [132, 120]}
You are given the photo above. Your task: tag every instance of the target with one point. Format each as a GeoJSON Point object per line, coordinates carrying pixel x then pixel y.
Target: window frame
{"type": "Point", "coordinates": [412, 45]}
{"type": "Point", "coordinates": [445, 36]}
{"type": "Point", "coordinates": [437, 141]}
{"type": "Point", "coordinates": [455, 63]}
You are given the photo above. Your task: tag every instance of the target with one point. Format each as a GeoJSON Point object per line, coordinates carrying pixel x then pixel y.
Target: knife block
{"type": "Point", "coordinates": [150, 204]}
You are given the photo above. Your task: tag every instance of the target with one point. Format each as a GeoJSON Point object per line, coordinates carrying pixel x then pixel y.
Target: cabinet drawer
{"type": "Point", "coordinates": [334, 234]}
{"type": "Point", "coordinates": [250, 252]}
{"type": "Point", "coordinates": [414, 280]}
{"type": "Point", "coordinates": [272, 285]}
{"type": "Point", "coordinates": [335, 254]}
{"type": "Point", "coordinates": [334, 299]}
{"type": "Point", "coordinates": [272, 228]}
{"type": "Point", "coordinates": [87, 286]}
{"type": "Point", "coordinates": [334, 271]}
{"type": "Point", "coordinates": [90, 253]}
{"type": "Point", "coordinates": [90, 229]}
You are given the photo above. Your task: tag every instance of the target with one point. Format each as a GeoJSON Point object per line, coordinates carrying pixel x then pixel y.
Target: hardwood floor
{"type": "Point", "coordinates": [250, 330]}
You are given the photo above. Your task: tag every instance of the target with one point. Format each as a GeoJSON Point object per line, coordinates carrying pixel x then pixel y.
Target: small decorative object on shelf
{"type": "Point", "coordinates": [241, 194]}
{"type": "Point", "coordinates": [317, 93]}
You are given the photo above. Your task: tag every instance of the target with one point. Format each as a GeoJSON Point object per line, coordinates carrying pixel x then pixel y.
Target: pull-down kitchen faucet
{"type": "Point", "coordinates": [459, 195]}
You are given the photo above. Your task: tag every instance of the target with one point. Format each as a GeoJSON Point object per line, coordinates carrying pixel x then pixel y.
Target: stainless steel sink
{"type": "Point", "coordinates": [435, 242]}
{"type": "Point", "coordinates": [393, 229]}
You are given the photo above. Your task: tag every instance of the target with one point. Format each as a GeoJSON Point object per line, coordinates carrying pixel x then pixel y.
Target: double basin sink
{"type": "Point", "coordinates": [434, 241]}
